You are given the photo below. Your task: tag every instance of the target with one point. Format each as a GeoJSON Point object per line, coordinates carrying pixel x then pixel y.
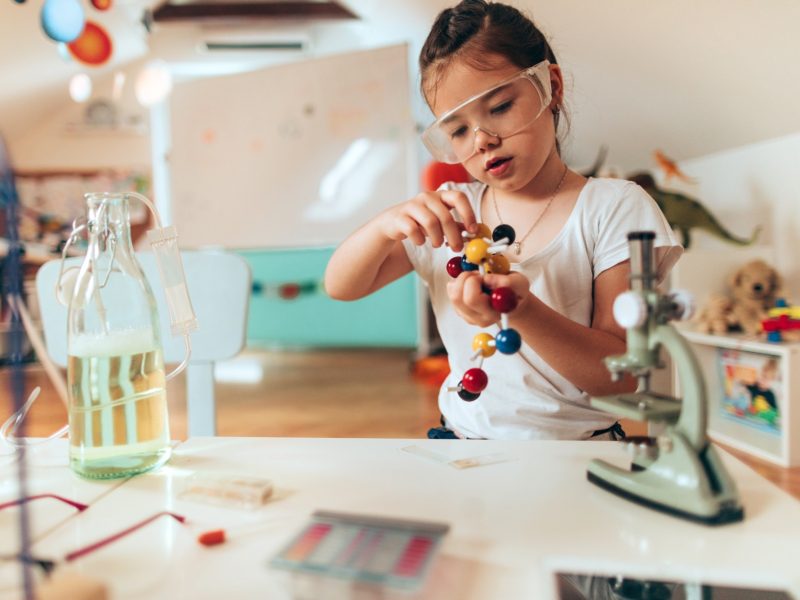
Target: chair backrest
{"type": "Point", "coordinates": [219, 287]}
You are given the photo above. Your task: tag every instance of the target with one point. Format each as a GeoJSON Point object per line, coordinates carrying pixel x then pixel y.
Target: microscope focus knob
{"type": "Point", "coordinates": [683, 305]}
{"type": "Point", "coordinates": [630, 310]}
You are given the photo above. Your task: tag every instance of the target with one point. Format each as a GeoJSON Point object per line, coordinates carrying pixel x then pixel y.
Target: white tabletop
{"type": "Point", "coordinates": [513, 523]}
{"type": "Point", "coordinates": [47, 473]}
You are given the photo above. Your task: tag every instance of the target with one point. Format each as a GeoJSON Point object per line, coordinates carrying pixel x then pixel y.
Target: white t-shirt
{"type": "Point", "coordinates": [525, 398]}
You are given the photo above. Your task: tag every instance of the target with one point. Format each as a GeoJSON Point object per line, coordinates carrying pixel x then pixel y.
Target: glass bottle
{"type": "Point", "coordinates": [118, 419]}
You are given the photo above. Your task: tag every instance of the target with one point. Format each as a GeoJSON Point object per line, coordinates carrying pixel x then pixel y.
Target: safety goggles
{"type": "Point", "coordinates": [501, 111]}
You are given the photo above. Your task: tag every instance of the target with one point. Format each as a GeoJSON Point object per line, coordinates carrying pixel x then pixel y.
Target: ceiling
{"type": "Point", "coordinates": [691, 78]}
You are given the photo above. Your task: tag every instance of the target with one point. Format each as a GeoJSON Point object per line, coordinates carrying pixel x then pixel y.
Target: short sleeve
{"type": "Point", "coordinates": [633, 210]}
{"type": "Point", "coordinates": [421, 258]}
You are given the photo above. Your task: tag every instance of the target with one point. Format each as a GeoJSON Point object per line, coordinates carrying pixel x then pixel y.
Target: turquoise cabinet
{"type": "Point", "coordinates": [387, 318]}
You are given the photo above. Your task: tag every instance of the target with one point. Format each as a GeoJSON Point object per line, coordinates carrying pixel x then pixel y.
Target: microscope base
{"type": "Point", "coordinates": [725, 514]}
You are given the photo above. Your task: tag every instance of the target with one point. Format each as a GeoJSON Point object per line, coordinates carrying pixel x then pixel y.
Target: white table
{"type": "Point", "coordinates": [513, 524]}
{"type": "Point", "coordinates": [47, 472]}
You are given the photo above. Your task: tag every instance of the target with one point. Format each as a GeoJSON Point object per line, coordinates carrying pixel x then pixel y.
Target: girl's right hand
{"type": "Point", "coordinates": [428, 215]}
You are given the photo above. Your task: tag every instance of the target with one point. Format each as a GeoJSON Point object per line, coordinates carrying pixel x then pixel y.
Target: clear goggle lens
{"type": "Point", "coordinates": [501, 111]}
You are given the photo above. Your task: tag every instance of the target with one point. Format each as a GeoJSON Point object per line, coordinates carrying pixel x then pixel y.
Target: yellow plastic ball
{"type": "Point", "coordinates": [476, 251]}
{"type": "Point", "coordinates": [483, 231]}
{"type": "Point", "coordinates": [484, 343]}
{"type": "Point", "coordinates": [499, 264]}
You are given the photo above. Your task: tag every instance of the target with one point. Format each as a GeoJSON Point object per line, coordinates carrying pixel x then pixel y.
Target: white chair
{"type": "Point", "coordinates": [219, 287]}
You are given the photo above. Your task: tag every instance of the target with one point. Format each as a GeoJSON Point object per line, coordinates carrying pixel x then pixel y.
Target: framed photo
{"type": "Point", "coordinates": [751, 388]}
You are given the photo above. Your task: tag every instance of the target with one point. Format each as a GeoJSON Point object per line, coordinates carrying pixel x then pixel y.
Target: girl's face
{"type": "Point", "coordinates": [509, 163]}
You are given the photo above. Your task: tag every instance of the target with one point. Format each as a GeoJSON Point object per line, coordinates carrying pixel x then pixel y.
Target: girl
{"type": "Point", "coordinates": [493, 82]}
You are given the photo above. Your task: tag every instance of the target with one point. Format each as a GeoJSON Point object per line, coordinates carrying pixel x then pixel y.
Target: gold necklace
{"type": "Point", "coordinates": [518, 243]}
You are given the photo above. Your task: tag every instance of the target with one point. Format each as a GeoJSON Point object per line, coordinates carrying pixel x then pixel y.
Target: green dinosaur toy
{"type": "Point", "coordinates": [684, 213]}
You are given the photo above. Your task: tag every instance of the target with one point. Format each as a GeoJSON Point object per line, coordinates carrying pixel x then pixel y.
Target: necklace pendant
{"type": "Point", "coordinates": [517, 248]}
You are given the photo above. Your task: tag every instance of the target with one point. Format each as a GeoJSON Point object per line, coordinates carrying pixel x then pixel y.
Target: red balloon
{"type": "Point", "coordinates": [93, 46]}
{"type": "Point", "coordinates": [435, 174]}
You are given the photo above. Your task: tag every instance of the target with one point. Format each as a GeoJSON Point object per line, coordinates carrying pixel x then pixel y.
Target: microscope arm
{"type": "Point", "coordinates": [693, 417]}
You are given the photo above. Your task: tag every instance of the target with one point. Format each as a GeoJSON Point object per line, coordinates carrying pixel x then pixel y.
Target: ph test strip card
{"type": "Point", "coordinates": [392, 552]}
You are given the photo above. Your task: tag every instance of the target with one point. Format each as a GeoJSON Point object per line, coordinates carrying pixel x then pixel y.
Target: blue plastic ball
{"type": "Point", "coordinates": [62, 20]}
{"type": "Point", "coordinates": [508, 341]}
{"type": "Point", "coordinates": [467, 266]}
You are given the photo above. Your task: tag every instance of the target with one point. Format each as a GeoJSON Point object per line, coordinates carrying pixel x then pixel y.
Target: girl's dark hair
{"type": "Point", "coordinates": [473, 31]}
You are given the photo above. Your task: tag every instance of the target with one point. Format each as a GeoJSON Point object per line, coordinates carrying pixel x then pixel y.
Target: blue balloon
{"type": "Point", "coordinates": [63, 20]}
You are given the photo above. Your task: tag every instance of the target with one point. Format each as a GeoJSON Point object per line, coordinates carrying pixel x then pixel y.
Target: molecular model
{"type": "Point", "coordinates": [483, 253]}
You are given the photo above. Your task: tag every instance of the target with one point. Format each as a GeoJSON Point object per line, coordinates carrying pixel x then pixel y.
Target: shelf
{"type": "Point", "coordinates": [753, 391]}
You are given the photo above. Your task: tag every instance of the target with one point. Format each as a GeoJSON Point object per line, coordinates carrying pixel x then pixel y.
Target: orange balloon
{"type": "Point", "coordinates": [93, 46]}
{"type": "Point", "coordinates": [435, 174]}
{"type": "Point", "coordinates": [101, 4]}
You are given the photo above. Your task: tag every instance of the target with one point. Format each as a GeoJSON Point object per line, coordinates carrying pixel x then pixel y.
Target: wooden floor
{"type": "Point", "coordinates": [314, 394]}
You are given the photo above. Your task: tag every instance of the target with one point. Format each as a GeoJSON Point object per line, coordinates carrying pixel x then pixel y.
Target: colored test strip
{"type": "Point", "coordinates": [414, 557]}
{"type": "Point", "coordinates": [307, 542]}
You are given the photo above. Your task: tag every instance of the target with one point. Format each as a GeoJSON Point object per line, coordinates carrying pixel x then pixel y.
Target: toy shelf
{"type": "Point", "coordinates": [743, 418]}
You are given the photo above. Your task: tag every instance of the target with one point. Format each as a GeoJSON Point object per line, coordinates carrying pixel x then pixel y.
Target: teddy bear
{"type": "Point", "coordinates": [754, 288]}
{"type": "Point", "coordinates": [715, 316]}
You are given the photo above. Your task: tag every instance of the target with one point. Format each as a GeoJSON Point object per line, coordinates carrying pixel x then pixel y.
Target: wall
{"type": "Point", "coordinates": [64, 140]}
{"type": "Point", "coordinates": [754, 185]}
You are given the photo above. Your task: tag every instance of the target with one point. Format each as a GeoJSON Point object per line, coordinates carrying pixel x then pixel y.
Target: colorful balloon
{"type": "Point", "coordinates": [435, 174]}
{"type": "Point", "coordinates": [62, 20]}
{"type": "Point", "coordinates": [63, 52]}
{"type": "Point", "coordinates": [93, 47]}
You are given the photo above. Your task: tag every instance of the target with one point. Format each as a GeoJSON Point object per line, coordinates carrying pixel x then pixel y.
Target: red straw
{"type": "Point", "coordinates": [104, 542]}
{"type": "Point", "coordinates": [80, 506]}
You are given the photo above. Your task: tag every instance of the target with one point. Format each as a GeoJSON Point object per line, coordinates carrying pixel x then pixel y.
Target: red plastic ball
{"type": "Point", "coordinates": [454, 268]}
{"type": "Point", "coordinates": [504, 299]}
{"type": "Point", "coordinates": [475, 380]}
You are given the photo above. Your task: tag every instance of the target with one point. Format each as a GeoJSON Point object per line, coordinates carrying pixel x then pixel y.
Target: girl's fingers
{"type": "Point", "coordinates": [450, 227]}
{"type": "Point", "coordinates": [469, 301]}
{"type": "Point", "coordinates": [428, 222]}
{"type": "Point", "coordinates": [455, 293]}
{"type": "Point", "coordinates": [516, 281]}
{"type": "Point", "coordinates": [472, 294]}
{"type": "Point", "coordinates": [477, 301]}
{"type": "Point", "coordinates": [458, 201]}
{"type": "Point", "coordinates": [409, 228]}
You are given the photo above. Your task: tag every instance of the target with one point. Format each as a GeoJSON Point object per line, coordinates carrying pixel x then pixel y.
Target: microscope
{"type": "Point", "coordinates": [677, 471]}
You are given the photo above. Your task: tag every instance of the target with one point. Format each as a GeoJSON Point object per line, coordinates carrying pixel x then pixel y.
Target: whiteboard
{"type": "Point", "coordinates": [296, 155]}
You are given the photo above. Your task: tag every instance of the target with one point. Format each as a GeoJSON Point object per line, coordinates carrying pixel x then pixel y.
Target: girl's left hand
{"type": "Point", "coordinates": [472, 303]}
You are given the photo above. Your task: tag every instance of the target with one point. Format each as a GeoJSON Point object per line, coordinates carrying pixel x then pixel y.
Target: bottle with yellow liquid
{"type": "Point", "coordinates": [118, 419]}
